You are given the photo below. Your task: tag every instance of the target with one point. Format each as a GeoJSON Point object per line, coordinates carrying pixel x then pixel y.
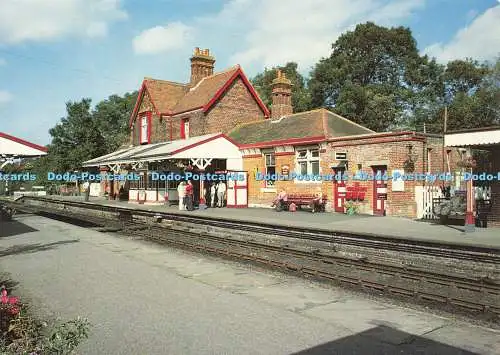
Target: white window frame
{"type": "Point", "coordinates": [144, 129]}
{"type": "Point", "coordinates": [309, 159]}
{"type": "Point", "coordinates": [271, 155]}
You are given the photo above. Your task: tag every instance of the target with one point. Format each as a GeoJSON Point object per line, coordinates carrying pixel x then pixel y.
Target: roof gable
{"type": "Point", "coordinates": [170, 98]}
{"type": "Point", "coordinates": [206, 93]}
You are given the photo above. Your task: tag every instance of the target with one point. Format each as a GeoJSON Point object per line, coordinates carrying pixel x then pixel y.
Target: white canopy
{"type": "Point", "coordinates": [11, 146]}
{"type": "Point", "coordinates": [474, 137]}
{"type": "Point", "coordinates": [210, 146]}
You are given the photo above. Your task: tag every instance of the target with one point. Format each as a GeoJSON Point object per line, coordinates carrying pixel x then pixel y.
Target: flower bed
{"type": "Point", "coordinates": [21, 333]}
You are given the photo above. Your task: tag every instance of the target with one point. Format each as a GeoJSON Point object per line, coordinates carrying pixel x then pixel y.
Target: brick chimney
{"type": "Point", "coordinates": [282, 96]}
{"type": "Point", "coordinates": [202, 65]}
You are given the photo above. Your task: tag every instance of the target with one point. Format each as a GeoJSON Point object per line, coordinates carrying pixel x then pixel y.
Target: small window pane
{"type": "Point", "coordinates": [271, 171]}
{"type": "Point", "coordinates": [303, 168]}
{"type": "Point", "coordinates": [315, 153]}
{"type": "Point", "coordinates": [315, 167]}
{"type": "Point", "coordinates": [302, 154]}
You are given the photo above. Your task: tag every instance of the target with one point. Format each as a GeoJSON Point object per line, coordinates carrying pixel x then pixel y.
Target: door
{"type": "Point", "coordinates": [237, 190]}
{"type": "Point", "coordinates": [339, 190]}
{"type": "Point", "coordinates": [379, 190]}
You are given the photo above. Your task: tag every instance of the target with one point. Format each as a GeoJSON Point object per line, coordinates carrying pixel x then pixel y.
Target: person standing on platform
{"type": "Point", "coordinates": [86, 190]}
{"type": "Point", "coordinates": [189, 195]}
{"type": "Point", "coordinates": [181, 190]}
{"type": "Point", "coordinates": [213, 194]}
{"type": "Point", "coordinates": [221, 192]}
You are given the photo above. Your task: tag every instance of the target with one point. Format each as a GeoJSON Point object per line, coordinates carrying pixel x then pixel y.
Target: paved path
{"type": "Point", "coordinates": [147, 299]}
{"type": "Point", "coordinates": [391, 226]}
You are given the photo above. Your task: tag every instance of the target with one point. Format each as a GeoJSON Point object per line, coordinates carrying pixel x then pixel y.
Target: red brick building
{"type": "Point", "coordinates": [319, 142]}
{"type": "Point", "coordinates": [176, 125]}
{"type": "Point", "coordinates": [209, 103]}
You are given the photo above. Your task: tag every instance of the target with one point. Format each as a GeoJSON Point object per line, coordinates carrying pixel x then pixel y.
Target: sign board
{"type": "Point", "coordinates": [398, 184]}
{"type": "Point", "coordinates": [340, 155]}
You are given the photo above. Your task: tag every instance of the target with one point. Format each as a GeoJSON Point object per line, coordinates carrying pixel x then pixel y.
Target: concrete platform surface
{"type": "Point", "coordinates": [395, 227]}
{"type": "Point", "coordinates": [147, 299]}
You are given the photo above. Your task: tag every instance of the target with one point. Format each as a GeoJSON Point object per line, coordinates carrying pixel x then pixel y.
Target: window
{"type": "Point", "coordinates": [308, 161]}
{"type": "Point", "coordinates": [144, 130]}
{"type": "Point", "coordinates": [270, 169]}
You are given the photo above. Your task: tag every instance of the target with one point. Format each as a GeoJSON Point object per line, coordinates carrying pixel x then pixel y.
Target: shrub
{"type": "Point", "coordinates": [23, 334]}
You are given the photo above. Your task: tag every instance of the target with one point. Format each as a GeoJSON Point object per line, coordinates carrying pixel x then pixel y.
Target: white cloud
{"type": "Point", "coordinates": [268, 33]}
{"type": "Point", "coordinates": [161, 39]}
{"type": "Point", "coordinates": [42, 20]}
{"type": "Point", "coordinates": [5, 97]}
{"type": "Point", "coordinates": [479, 40]}
{"type": "Point", "coordinates": [2, 62]}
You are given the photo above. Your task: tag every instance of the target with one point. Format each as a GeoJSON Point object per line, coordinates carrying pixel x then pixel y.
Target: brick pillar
{"type": "Point", "coordinates": [103, 170]}
{"type": "Point", "coordinates": [494, 216]}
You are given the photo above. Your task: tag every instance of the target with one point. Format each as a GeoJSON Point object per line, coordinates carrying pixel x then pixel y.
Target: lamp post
{"type": "Point", "coordinates": [470, 222]}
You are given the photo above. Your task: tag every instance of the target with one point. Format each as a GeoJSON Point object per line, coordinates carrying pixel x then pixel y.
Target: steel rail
{"type": "Point", "coordinates": [333, 267]}
{"type": "Point", "coordinates": [432, 248]}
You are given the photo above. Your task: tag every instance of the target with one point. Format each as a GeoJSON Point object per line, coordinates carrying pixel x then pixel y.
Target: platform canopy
{"type": "Point", "coordinates": [13, 148]}
{"type": "Point", "coordinates": [473, 138]}
{"type": "Point", "coordinates": [201, 148]}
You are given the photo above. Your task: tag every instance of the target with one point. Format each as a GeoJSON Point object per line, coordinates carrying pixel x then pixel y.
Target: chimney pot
{"type": "Point", "coordinates": [201, 66]}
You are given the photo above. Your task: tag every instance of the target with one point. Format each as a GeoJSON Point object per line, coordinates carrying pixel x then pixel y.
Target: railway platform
{"type": "Point", "coordinates": [393, 227]}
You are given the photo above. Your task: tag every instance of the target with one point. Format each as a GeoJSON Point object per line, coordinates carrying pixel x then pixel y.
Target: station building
{"type": "Point", "coordinates": [320, 142]}
{"type": "Point", "coordinates": [218, 123]}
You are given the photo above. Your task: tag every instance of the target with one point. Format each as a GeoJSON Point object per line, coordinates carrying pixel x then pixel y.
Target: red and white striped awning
{"type": "Point", "coordinates": [11, 146]}
{"type": "Point", "coordinates": [480, 137]}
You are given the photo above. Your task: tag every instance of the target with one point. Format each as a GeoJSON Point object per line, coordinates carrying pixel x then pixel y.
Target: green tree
{"type": "Point", "coordinates": [76, 138]}
{"type": "Point", "coordinates": [301, 98]}
{"type": "Point", "coordinates": [472, 94]}
{"type": "Point", "coordinates": [375, 77]}
{"type": "Point", "coordinates": [112, 118]}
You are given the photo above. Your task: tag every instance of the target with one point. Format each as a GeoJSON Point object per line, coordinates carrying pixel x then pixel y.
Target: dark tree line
{"type": "Point", "coordinates": [376, 76]}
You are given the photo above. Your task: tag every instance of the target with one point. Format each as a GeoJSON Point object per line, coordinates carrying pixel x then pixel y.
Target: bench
{"type": "Point", "coordinates": [309, 200]}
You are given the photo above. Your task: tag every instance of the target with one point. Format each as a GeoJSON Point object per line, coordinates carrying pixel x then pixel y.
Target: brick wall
{"type": "Point", "coordinates": [392, 151]}
{"type": "Point", "coordinates": [235, 107]}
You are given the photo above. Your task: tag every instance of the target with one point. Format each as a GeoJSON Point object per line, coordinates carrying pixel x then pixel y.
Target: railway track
{"type": "Point", "coordinates": [479, 296]}
{"type": "Point", "coordinates": [428, 248]}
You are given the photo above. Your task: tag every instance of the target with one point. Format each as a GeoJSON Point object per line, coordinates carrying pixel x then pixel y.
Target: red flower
{"type": "Point", "coordinates": [5, 299]}
{"type": "Point", "coordinates": [4, 292]}
{"type": "Point", "coordinates": [13, 300]}
{"type": "Point", "coordinates": [14, 310]}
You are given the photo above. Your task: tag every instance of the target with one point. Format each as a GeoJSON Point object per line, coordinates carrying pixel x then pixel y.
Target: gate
{"type": "Point", "coordinates": [424, 197]}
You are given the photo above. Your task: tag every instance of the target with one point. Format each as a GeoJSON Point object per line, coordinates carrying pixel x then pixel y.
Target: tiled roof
{"type": "Point", "coordinates": [315, 123]}
{"type": "Point", "coordinates": [204, 91]}
{"type": "Point", "coordinates": [165, 94]}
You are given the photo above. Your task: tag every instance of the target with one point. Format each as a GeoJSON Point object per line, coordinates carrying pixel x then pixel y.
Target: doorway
{"type": "Point", "coordinates": [379, 190]}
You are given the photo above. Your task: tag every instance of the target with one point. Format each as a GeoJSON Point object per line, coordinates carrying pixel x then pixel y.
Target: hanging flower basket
{"type": "Point", "coordinates": [409, 165]}
{"type": "Point", "coordinates": [467, 163]}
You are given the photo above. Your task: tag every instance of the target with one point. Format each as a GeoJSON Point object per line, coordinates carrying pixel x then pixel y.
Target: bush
{"type": "Point", "coordinates": [23, 334]}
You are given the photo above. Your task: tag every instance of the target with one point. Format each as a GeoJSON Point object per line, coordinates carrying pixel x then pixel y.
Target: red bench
{"type": "Point", "coordinates": [309, 200]}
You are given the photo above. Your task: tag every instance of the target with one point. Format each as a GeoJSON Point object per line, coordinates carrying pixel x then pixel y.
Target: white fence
{"type": "Point", "coordinates": [29, 193]}
{"type": "Point", "coordinates": [424, 196]}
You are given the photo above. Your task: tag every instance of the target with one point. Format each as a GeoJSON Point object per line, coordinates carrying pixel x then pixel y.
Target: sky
{"type": "Point", "coordinates": [55, 51]}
